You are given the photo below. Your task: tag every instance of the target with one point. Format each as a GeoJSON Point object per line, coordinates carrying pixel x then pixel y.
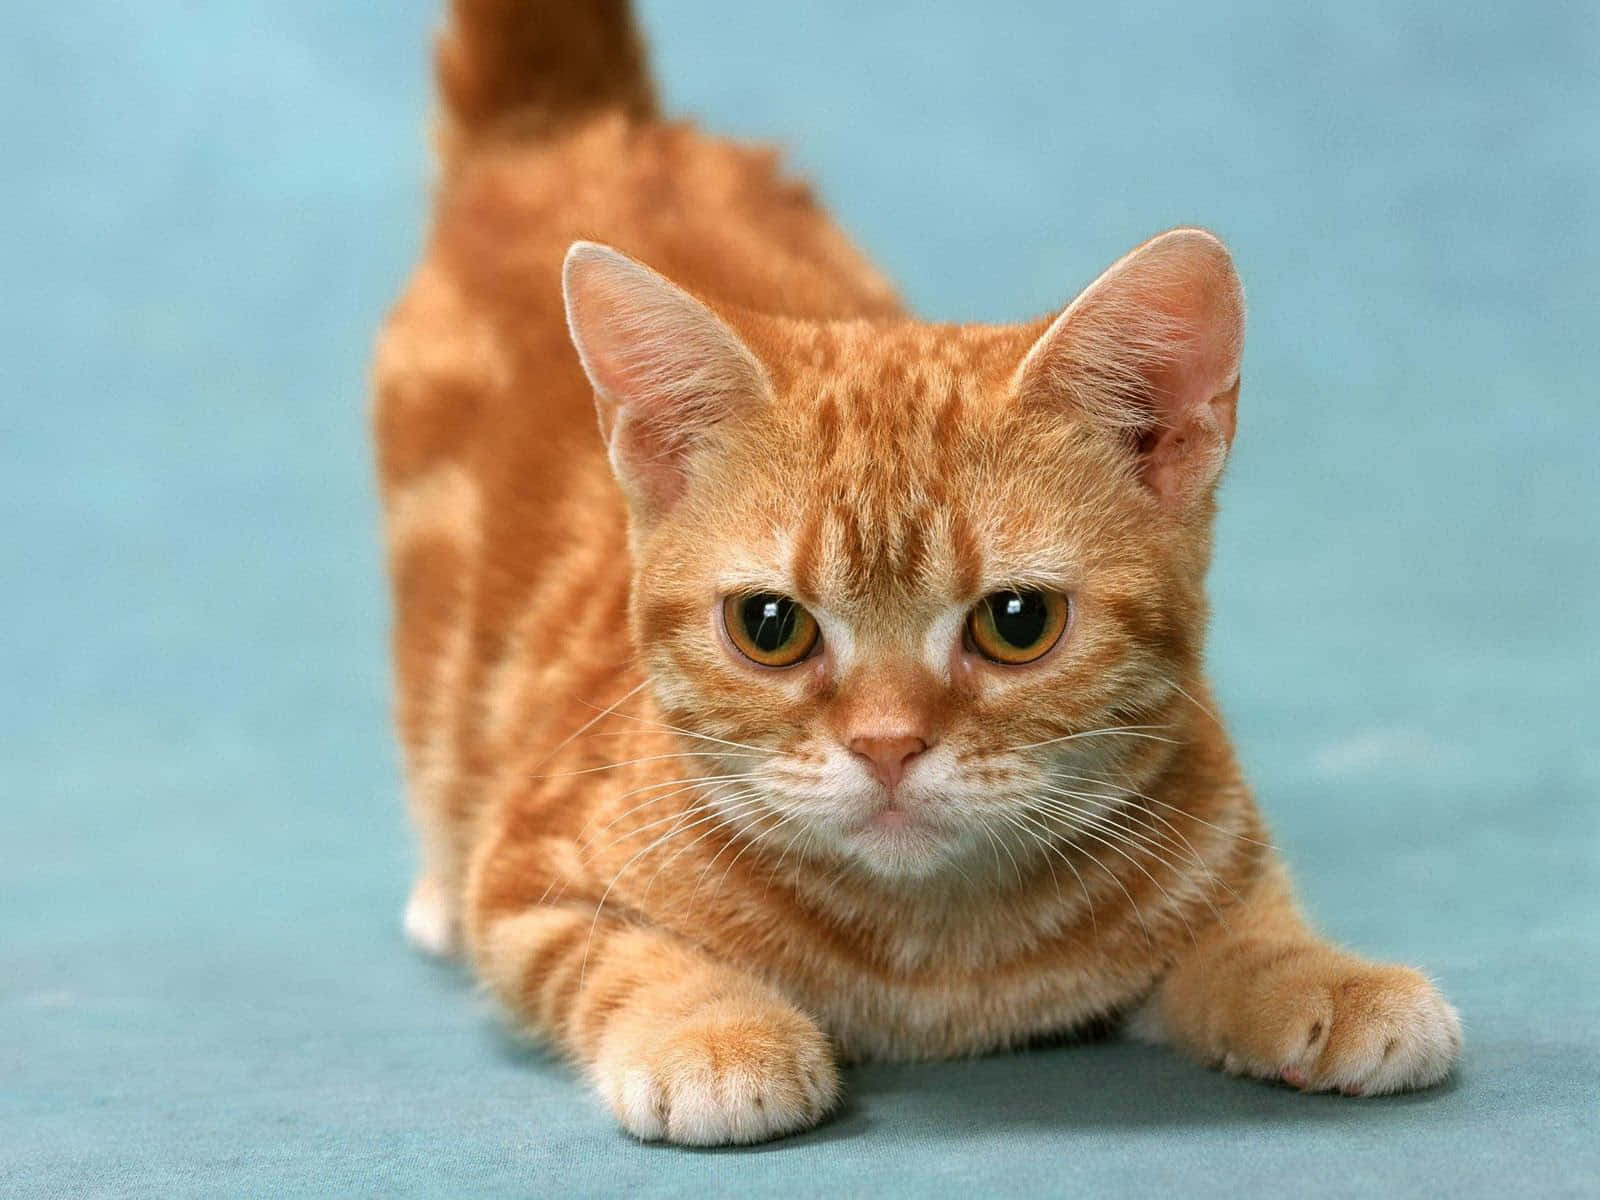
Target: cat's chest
{"type": "Point", "coordinates": [933, 997]}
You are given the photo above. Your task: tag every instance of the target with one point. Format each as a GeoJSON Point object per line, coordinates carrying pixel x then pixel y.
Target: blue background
{"type": "Point", "coordinates": [202, 855]}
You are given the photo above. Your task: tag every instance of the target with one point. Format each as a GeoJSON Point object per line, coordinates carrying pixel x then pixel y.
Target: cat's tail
{"type": "Point", "coordinates": [526, 68]}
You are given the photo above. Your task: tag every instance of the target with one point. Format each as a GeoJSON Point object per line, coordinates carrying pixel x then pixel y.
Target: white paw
{"type": "Point", "coordinates": [430, 924]}
{"type": "Point", "coordinates": [1386, 1029]}
{"type": "Point", "coordinates": [720, 1081]}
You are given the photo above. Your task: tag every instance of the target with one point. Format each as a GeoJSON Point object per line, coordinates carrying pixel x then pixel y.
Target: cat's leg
{"type": "Point", "coordinates": [432, 919]}
{"type": "Point", "coordinates": [681, 1047]}
{"type": "Point", "coordinates": [429, 919]}
{"type": "Point", "coordinates": [1264, 996]}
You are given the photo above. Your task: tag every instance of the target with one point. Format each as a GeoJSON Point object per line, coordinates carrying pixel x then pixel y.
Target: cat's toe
{"type": "Point", "coordinates": [1390, 1031]}
{"type": "Point", "coordinates": [723, 1079]}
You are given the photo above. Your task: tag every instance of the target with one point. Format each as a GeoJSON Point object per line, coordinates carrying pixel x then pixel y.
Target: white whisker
{"type": "Point", "coordinates": [631, 762]}
{"type": "Point", "coordinates": [592, 721]}
{"type": "Point", "coordinates": [1148, 839]}
{"type": "Point", "coordinates": [1170, 807]}
{"type": "Point", "coordinates": [1122, 838]}
{"type": "Point", "coordinates": [704, 737]}
{"type": "Point", "coordinates": [655, 844]}
{"type": "Point", "coordinates": [1016, 820]}
{"type": "Point", "coordinates": [1133, 731]}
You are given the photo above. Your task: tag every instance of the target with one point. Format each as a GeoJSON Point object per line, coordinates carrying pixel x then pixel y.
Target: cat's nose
{"type": "Point", "coordinates": [887, 757]}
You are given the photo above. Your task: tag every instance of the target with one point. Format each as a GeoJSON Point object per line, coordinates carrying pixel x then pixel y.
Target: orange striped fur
{"type": "Point", "coordinates": [668, 862]}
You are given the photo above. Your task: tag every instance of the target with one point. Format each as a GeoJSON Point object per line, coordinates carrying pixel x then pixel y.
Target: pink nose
{"type": "Point", "coordinates": [887, 756]}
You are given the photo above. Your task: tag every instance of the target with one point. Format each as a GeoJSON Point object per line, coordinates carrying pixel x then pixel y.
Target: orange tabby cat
{"type": "Point", "coordinates": [841, 696]}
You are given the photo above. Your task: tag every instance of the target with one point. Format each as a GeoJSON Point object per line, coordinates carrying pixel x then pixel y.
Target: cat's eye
{"type": "Point", "coordinates": [769, 628]}
{"type": "Point", "coordinates": [1017, 627]}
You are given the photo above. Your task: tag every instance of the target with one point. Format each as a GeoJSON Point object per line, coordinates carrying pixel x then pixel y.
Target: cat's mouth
{"type": "Point", "coordinates": [897, 828]}
{"type": "Point", "coordinates": [897, 843]}
{"type": "Point", "coordinates": [890, 816]}
{"type": "Point", "coordinates": [903, 830]}
{"type": "Point", "coordinates": [894, 810]}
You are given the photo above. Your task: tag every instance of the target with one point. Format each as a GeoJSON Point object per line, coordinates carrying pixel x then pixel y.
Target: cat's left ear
{"type": "Point", "coordinates": [1152, 349]}
{"type": "Point", "coordinates": [666, 370]}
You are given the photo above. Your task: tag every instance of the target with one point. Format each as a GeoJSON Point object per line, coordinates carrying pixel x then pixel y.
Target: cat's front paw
{"type": "Point", "coordinates": [429, 920]}
{"type": "Point", "coordinates": [733, 1072]}
{"type": "Point", "coordinates": [1356, 1028]}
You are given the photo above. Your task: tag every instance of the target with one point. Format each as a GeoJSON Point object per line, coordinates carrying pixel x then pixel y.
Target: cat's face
{"type": "Point", "coordinates": [895, 588]}
{"type": "Point", "coordinates": [912, 608]}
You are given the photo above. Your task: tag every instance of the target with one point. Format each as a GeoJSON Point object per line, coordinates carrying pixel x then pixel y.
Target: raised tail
{"type": "Point", "coordinates": [524, 68]}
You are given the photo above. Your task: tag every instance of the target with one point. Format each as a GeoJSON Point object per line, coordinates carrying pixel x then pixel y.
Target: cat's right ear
{"type": "Point", "coordinates": [1152, 349]}
{"type": "Point", "coordinates": [665, 369]}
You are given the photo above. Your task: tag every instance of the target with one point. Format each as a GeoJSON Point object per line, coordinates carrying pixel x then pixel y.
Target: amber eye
{"type": "Point", "coordinates": [1017, 627]}
{"type": "Point", "coordinates": [769, 629]}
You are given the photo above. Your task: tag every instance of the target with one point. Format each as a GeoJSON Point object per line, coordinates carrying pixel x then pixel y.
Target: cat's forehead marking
{"type": "Point", "coordinates": [877, 522]}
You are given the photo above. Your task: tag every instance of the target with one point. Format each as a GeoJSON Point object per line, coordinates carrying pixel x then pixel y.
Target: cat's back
{"type": "Point", "coordinates": [475, 364]}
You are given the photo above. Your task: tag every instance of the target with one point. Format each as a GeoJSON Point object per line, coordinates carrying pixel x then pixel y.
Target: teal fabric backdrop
{"type": "Point", "coordinates": [203, 990]}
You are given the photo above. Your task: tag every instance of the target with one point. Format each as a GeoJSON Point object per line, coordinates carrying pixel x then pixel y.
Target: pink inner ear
{"type": "Point", "coordinates": [1176, 460]}
{"type": "Point", "coordinates": [664, 368]}
{"type": "Point", "coordinates": [1153, 346]}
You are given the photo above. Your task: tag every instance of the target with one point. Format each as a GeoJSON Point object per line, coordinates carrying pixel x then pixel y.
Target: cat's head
{"type": "Point", "coordinates": [919, 592]}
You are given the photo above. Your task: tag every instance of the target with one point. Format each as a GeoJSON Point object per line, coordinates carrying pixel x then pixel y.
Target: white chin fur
{"type": "Point", "coordinates": [900, 853]}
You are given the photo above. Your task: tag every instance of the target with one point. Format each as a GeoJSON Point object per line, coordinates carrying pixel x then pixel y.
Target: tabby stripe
{"type": "Point", "coordinates": [517, 951]}
{"type": "Point", "coordinates": [605, 1000]}
{"type": "Point", "coordinates": [543, 985]}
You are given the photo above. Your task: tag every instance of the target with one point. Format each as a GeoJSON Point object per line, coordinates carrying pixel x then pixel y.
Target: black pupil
{"type": "Point", "coordinates": [769, 621]}
{"type": "Point", "coordinates": [1019, 617]}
